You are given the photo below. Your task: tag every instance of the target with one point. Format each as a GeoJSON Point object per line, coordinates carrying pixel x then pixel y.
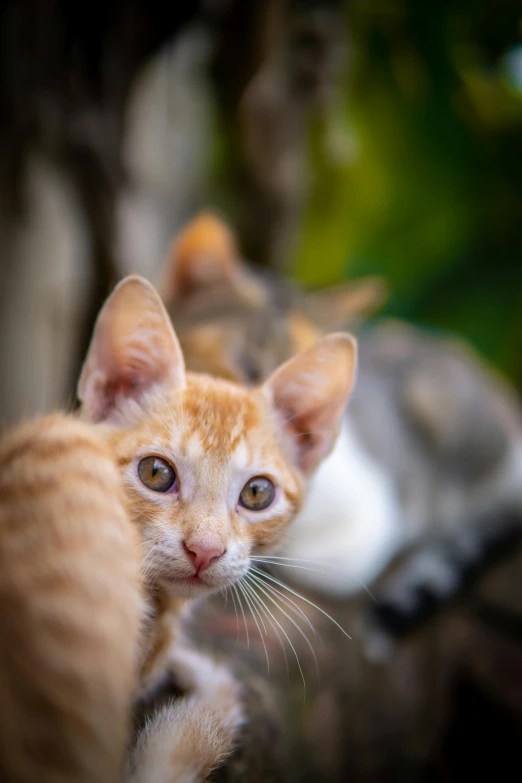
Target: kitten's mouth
{"type": "Point", "coordinates": [188, 585]}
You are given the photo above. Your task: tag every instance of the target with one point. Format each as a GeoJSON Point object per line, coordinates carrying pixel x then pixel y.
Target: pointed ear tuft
{"type": "Point", "coordinates": [309, 394]}
{"type": "Point", "coordinates": [346, 304]}
{"type": "Point", "coordinates": [133, 349]}
{"type": "Point", "coordinates": [203, 256]}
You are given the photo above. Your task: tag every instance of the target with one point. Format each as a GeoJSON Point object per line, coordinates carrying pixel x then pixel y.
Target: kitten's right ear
{"type": "Point", "coordinates": [133, 350]}
{"type": "Point", "coordinates": [309, 394]}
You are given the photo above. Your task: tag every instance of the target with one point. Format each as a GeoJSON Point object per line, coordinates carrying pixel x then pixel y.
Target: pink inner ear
{"type": "Point", "coordinates": [136, 367]}
{"type": "Point", "coordinates": [133, 349]}
{"type": "Point", "coordinates": [116, 390]}
{"type": "Point", "coordinates": [309, 434]}
{"type": "Point", "coordinates": [127, 380]}
{"type": "Point", "coordinates": [132, 374]}
{"type": "Point", "coordinates": [310, 393]}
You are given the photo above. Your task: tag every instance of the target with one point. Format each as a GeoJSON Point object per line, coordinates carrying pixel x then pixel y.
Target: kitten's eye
{"type": "Point", "coordinates": [156, 473]}
{"type": "Point", "coordinates": [257, 494]}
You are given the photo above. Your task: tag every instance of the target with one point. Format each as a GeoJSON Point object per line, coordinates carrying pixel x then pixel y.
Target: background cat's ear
{"type": "Point", "coordinates": [310, 393]}
{"type": "Point", "coordinates": [343, 305]}
{"type": "Point", "coordinates": [133, 349]}
{"type": "Point", "coordinates": [203, 258]}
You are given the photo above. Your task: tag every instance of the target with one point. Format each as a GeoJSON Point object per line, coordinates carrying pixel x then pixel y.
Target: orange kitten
{"type": "Point", "coordinates": [213, 473]}
{"type": "Point", "coordinates": [70, 607]}
{"type": "Point", "coordinates": [208, 473]}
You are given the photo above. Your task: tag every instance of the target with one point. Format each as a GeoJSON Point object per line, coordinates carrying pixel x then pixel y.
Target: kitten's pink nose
{"type": "Point", "coordinates": [202, 556]}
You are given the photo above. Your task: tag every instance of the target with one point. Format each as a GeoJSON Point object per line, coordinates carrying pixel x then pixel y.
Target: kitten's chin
{"type": "Point", "coordinates": [187, 587]}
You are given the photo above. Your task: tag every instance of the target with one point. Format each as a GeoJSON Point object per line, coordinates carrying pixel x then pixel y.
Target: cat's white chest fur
{"type": "Point", "coordinates": [349, 523]}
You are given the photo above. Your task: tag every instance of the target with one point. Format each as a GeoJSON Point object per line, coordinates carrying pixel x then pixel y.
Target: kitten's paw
{"type": "Point", "coordinates": [188, 738]}
{"type": "Point", "coordinates": [210, 683]}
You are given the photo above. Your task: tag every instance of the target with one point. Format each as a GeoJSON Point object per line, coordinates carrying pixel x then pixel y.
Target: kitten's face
{"type": "Point", "coordinates": [213, 471]}
{"type": "Point", "coordinates": [208, 483]}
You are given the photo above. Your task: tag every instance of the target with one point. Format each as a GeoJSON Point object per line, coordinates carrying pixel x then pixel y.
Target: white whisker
{"type": "Point", "coordinates": [287, 638]}
{"type": "Point", "coordinates": [255, 598]}
{"type": "Point", "coordinates": [241, 586]}
{"type": "Point", "coordinates": [246, 586]}
{"type": "Point", "coordinates": [295, 559]}
{"type": "Point", "coordinates": [149, 561]}
{"type": "Point", "coordinates": [331, 569]}
{"type": "Point", "coordinates": [289, 617]}
{"type": "Point", "coordinates": [288, 602]}
{"type": "Point", "coordinates": [291, 565]}
{"type": "Point", "coordinates": [243, 613]}
{"type": "Point", "coordinates": [237, 616]}
{"type": "Point", "coordinates": [298, 595]}
{"type": "Point", "coordinates": [280, 557]}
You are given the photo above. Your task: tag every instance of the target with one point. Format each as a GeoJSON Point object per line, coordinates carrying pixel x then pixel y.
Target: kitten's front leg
{"type": "Point", "coordinates": [191, 735]}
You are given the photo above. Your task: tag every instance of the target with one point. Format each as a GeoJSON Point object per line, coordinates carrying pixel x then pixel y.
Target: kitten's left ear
{"type": "Point", "coordinates": [133, 349]}
{"type": "Point", "coordinates": [310, 393]}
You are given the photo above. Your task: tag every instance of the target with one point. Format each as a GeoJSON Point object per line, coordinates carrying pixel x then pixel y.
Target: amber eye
{"type": "Point", "coordinates": [257, 494]}
{"type": "Point", "coordinates": [156, 473]}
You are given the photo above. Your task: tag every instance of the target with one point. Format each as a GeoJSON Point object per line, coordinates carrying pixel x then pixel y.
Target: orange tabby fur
{"type": "Point", "coordinates": [70, 607]}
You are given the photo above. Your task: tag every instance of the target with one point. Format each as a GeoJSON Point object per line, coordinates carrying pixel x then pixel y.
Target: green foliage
{"type": "Point", "coordinates": [416, 170]}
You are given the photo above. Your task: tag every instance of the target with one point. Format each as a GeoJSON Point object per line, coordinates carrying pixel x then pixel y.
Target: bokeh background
{"type": "Point", "coordinates": [339, 138]}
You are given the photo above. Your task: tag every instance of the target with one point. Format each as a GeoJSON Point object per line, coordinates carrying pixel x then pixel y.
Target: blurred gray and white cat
{"type": "Point", "coordinates": [428, 465]}
{"type": "Point", "coordinates": [429, 461]}
{"type": "Point", "coordinates": [432, 441]}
